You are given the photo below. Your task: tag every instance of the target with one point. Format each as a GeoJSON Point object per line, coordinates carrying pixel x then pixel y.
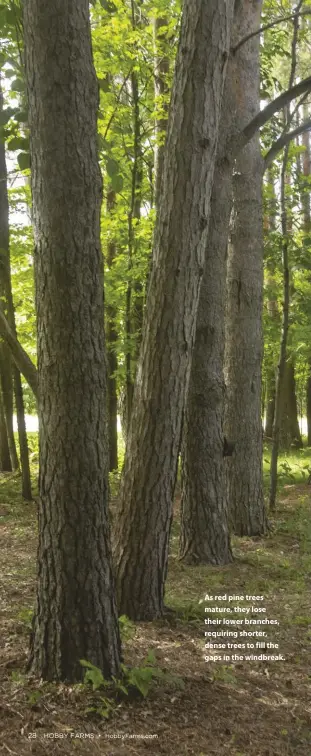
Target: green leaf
{"type": "Point", "coordinates": [23, 160]}
{"type": "Point", "coordinates": [108, 6]}
{"type": "Point", "coordinates": [112, 167]}
{"type": "Point", "coordinates": [117, 183]}
{"type": "Point", "coordinates": [18, 85]}
{"type": "Point", "coordinates": [18, 143]}
{"type": "Point", "coordinates": [104, 84]}
{"type": "Point", "coordinates": [21, 116]}
{"type": "Point", "coordinates": [5, 115]}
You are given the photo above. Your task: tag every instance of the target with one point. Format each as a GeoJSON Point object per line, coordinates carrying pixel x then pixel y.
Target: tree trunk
{"type": "Point", "coordinates": [286, 226]}
{"type": "Point", "coordinates": [283, 346]}
{"type": "Point", "coordinates": [134, 294]}
{"type": "Point", "coordinates": [289, 434]}
{"type": "Point", "coordinates": [204, 534]}
{"type": "Point", "coordinates": [7, 395]}
{"type": "Point", "coordinates": [5, 459]}
{"type": "Point", "coordinates": [20, 357]}
{"type": "Point", "coordinates": [244, 340]}
{"type": "Point", "coordinates": [112, 338]}
{"type": "Point", "coordinates": [272, 305]}
{"type": "Point", "coordinates": [75, 616]}
{"type": "Point", "coordinates": [143, 525]}
{"type": "Point", "coordinates": [309, 404]}
{"type": "Point", "coordinates": [270, 402]}
{"type": "Point", "coordinates": [305, 202]}
{"type": "Point", "coordinates": [22, 435]}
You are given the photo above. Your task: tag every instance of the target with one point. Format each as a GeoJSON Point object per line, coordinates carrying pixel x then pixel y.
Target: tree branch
{"type": "Point", "coordinates": [283, 141]}
{"type": "Point", "coordinates": [238, 142]}
{"type": "Point", "coordinates": [20, 357]}
{"type": "Point", "coordinates": [280, 20]}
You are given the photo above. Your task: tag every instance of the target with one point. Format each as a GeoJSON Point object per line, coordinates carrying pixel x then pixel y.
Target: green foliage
{"type": "Point", "coordinates": [139, 679]}
{"type": "Point", "coordinates": [127, 628]}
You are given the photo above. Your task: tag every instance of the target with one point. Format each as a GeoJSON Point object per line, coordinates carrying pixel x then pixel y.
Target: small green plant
{"type": "Point", "coordinates": [137, 678]}
{"type": "Point", "coordinates": [127, 628]}
{"type": "Point", "coordinates": [25, 616]}
{"type": "Point", "coordinates": [18, 677]}
{"type": "Point", "coordinates": [34, 697]}
{"type": "Point", "coordinates": [224, 674]}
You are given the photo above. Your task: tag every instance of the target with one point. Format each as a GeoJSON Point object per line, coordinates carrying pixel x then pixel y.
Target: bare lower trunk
{"type": "Point", "coordinates": [5, 459]}
{"type": "Point", "coordinates": [144, 519]}
{"type": "Point", "coordinates": [204, 512]}
{"type": "Point", "coordinates": [75, 616]}
{"type": "Point", "coordinates": [308, 403]}
{"type": "Point", "coordinates": [244, 342]}
{"type": "Point", "coordinates": [286, 225]}
{"type": "Point", "coordinates": [112, 339]}
{"type": "Point", "coordinates": [289, 425]}
{"type": "Point", "coordinates": [7, 396]}
{"type": "Point", "coordinates": [270, 402]}
{"type": "Point", "coordinates": [22, 434]}
{"type": "Point", "coordinates": [283, 346]}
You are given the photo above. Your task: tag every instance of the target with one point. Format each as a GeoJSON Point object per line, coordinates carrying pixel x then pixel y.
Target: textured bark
{"type": "Point", "coordinates": [75, 616]}
{"type": "Point", "coordinates": [144, 520]}
{"type": "Point", "coordinates": [244, 341]}
{"type": "Point", "coordinates": [204, 512]}
{"type": "Point", "coordinates": [112, 338]}
{"type": "Point", "coordinates": [289, 425]}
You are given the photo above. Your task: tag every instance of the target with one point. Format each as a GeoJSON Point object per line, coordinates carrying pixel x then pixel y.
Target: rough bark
{"type": "Point", "coordinates": [244, 340]}
{"type": "Point", "coordinates": [204, 512]}
{"type": "Point", "coordinates": [75, 616]}
{"type": "Point", "coordinates": [144, 520]}
{"type": "Point", "coordinates": [112, 338]}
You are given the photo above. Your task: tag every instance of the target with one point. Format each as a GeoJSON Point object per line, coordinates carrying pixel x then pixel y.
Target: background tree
{"type": "Point", "coordinates": [145, 514]}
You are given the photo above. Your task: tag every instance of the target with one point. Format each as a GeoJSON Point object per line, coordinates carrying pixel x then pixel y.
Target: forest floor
{"type": "Point", "coordinates": [210, 709]}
